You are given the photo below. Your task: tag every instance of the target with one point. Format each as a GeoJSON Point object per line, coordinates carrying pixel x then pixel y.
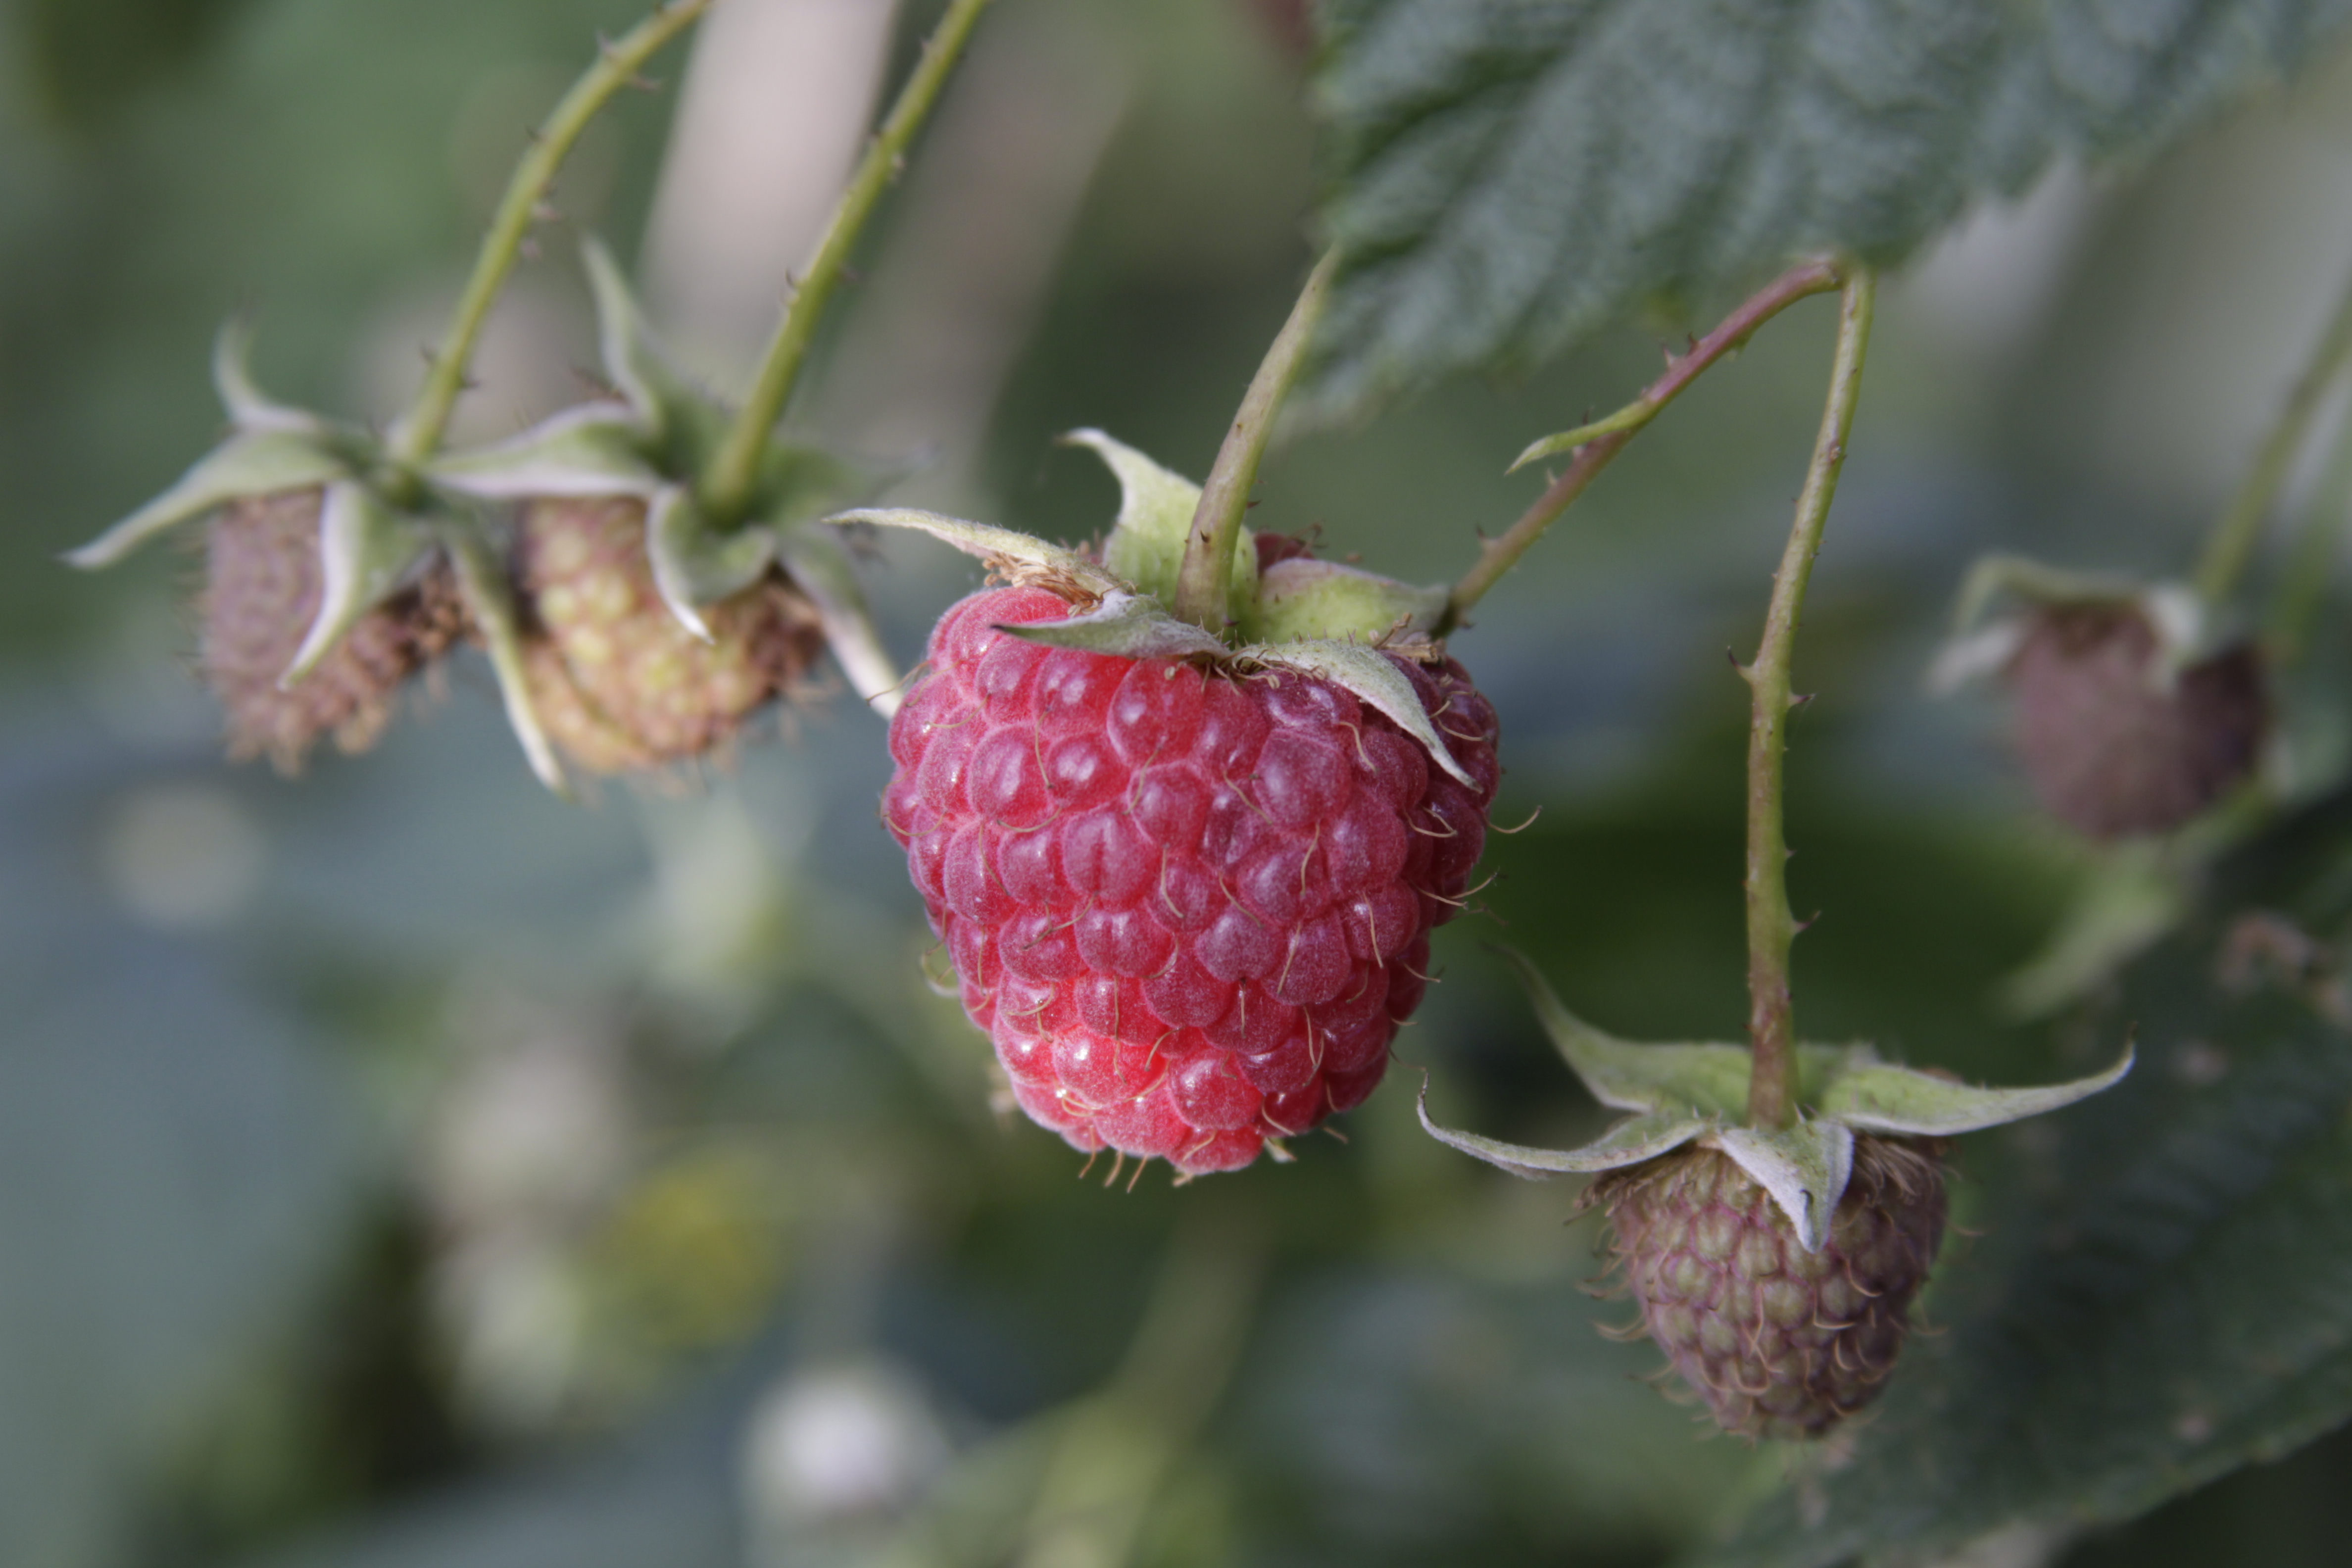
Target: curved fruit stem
{"type": "Point", "coordinates": [734, 472]}
{"type": "Point", "coordinates": [1599, 443]}
{"type": "Point", "coordinates": [1206, 574]}
{"type": "Point", "coordinates": [1771, 927]}
{"type": "Point", "coordinates": [2233, 542]}
{"type": "Point", "coordinates": [419, 431]}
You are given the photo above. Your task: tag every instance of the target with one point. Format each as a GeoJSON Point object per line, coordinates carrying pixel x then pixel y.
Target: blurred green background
{"type": "Point", "coordinates": [398, 1166]}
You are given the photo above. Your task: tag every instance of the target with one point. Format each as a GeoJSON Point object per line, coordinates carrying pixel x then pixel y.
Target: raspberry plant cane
{"type": "Point", "coordinates": [1774, 1207]}
{"type": "Point", "coordinates": [338, 568]}
{"type": "Point", "coordinates": [1184, 814]}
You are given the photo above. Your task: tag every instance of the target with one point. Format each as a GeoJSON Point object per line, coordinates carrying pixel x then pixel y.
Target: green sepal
{"type": "Point", "coordinates": [1368, 673]}
{"type": "Point", "coordinates": [1683, 1093]}
{"type": "Point", "coordinates": [489, 600]}
{"type": "Point", "coordinates": [1877, 1097]}
{"type": "Point", "coordinates": [631, 361]}
{"type": "Point", "coordinates": [367, 550]}
{"type": "Point", "coordinates": [272, 447]}
{"type": "Point", "coordinates": [1303, 600]}
{"type": "Point", "coordinates": [1850, 1083]}
{"type": "Point", "coordinates": [2187, 629]}
{"type": "Point", "coordinates": [1146, 545]}
{"type": "Point", "coordinates": [695, 563]}
{"type": "Point", "coordinates": [1129, 626]}
{"type": "Point", "coordinates": [254, 464]}
{"type": "Point", "coordinates": [1804, 1167]}
{"type": "Point", "coordinates": [595, 449]}
{"type": "Point", "coordinates": [994, 544]}
{"type": "Point", "coordinates": [250, 410]}
{"type": "Point", "coordinates": [819, 568]}
{"type": "Point", "coordinates": [1629, 1142]}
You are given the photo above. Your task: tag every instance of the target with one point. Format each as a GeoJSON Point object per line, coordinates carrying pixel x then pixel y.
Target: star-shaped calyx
{"type": "Point", "coordinates": [651, 626]}
{"type": "Point", "coordinates": [1774, 1264]}
{"type": "Point", "coordinates": [331, 576]}
{"type": "Point", "coordinates": [1288, 611]}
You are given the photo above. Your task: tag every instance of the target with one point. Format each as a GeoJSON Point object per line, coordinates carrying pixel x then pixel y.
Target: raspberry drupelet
{"type": "Point", "coordinates": [1188, 908]}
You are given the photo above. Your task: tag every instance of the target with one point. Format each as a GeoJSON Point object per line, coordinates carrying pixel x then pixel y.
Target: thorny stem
{"type": "Point", "coordinates": [1206, 574]}
{"type": "Point", "coordinates": [1602, 440]}
{"type": "Point", "coordinates": [2233, 537]}
{"type": "Point", "coordinates": [1771, 927]}
{"type": "Point", "coordinates": [734, 473]}
{"type": "Point", "coordinates": [419, 433]}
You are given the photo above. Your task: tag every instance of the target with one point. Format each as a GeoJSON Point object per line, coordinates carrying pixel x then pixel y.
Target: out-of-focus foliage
{"type": "Point", "coordinates": [1508, 175]}
{"type": "Point", "coordinates": [398, 1167]}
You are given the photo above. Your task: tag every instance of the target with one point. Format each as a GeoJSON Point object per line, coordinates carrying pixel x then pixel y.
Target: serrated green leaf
{"type": "Point", "coordinates": [2162, 1286]}
{"type": "Point", "coordinates": [819, 568]}
{"type": "Point", "coordinates": [1366, 672]}
{"type": "Point", "coordinates": [1881, 1097]}
{"type": "Point", "coordinates": [1630, 1143]}
{"type": "Point", "coordinates": [1804, 1167]}
{"type": "Point", "coordinates": [1303, 600]}
{"type": "Point", "coordinates": [367, 548]}
{"type": "Point", "coordinates": [1511, 175]}
{"type": "Point", "coordinates": [594, 449]}
{"type": "Point", "coordinates": [1146, 545]}
{"type": "Point", "coordinates": [1129, 626]}
{"type": "Point", "coordinates": [991, 542]}
{"type": "Point", "coordinates": [695, 563]}
{"type": "Point", "coordinates": [252, 465]}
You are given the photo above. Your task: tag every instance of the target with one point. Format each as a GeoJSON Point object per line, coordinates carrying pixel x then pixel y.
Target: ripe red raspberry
{"type": "Point", "coordinates": [1190, 908]}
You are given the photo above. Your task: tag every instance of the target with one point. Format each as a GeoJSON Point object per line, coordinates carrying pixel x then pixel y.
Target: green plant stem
{"type": "Point", "coordinates": [419, 432]}
{"type": "Point", "coordinates": [2232, 543]}
{"type": "Point", "coordinates": [1609, 437]}
{"type": "Point", "coordinates": [1771, 927]}
{"type": "Point", "coordinates": [2318, 543]}
{"type": "Point", "coordinates": [728, 485]}
{"type": "Point", "coordinates": [1206, 575]}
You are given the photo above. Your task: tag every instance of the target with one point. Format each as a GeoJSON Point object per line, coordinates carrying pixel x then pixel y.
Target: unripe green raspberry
{"type": "Point", "coordinates": [1778, 1341]}
{"type": "Point", "coordinates": [618, 682]}
{"type": "Point", "coordinates": [262, 593]}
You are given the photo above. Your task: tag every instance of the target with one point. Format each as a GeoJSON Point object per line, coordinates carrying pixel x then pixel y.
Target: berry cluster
{"type": "Point", "coordinates": [1190, 908]}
